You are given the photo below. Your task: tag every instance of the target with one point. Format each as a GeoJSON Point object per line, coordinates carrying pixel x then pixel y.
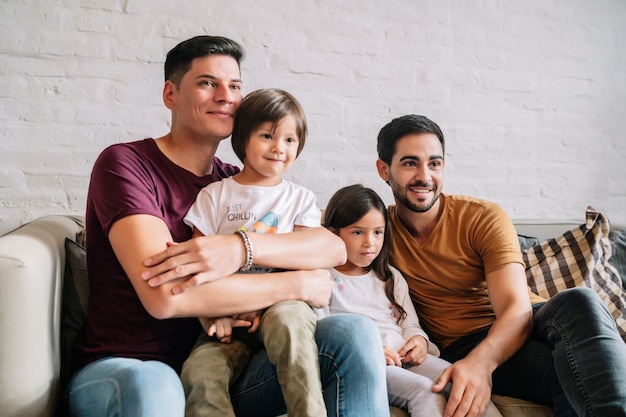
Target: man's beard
{"type": "Point", "coordinates": [401, 195]}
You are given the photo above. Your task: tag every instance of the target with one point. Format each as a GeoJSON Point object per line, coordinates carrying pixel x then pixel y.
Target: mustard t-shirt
{"type": "Point", "coordinates": [446, 273]}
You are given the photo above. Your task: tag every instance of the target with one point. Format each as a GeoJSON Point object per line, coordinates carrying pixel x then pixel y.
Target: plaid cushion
{"type": "Point", "coordinates": [579, 257]}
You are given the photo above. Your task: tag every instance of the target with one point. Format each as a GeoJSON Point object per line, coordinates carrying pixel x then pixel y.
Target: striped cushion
{"type": "Point", "coordinates": [579, 257]}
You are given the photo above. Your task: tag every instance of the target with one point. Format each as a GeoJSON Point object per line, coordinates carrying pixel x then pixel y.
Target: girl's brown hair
{"type": "Point", "coordinates": [346, 207]}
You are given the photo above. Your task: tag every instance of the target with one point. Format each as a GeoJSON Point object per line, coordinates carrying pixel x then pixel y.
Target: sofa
{"type": "Point", "coordinates": [43, 286]}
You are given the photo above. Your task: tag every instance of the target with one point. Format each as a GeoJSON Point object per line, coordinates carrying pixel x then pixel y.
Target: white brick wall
{"type": "Point", "coordinates": [530, 94]}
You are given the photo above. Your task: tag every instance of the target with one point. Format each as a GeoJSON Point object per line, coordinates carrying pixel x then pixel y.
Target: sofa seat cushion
{"type": "Point", "coordinates": [514, 407]}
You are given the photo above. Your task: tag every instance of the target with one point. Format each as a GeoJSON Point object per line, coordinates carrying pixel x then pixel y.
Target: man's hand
{"type": "Point", "coordinates": [202, 259]}
{"type": "Point", "coordinates": [316, 286]}
{"type": "Point", "coordinates": [471, 388]}
{"type": "Point", "coordinates": [471, 376]}
{"type": "Point", "coordinates": [414, 351]}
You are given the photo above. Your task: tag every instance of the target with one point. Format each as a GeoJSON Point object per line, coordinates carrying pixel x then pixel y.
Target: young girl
{"type": "Point", "coordinates": [366, 284]}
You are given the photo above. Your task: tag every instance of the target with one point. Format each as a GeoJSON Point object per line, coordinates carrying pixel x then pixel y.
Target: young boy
{"type": "Point", "coordinates": [268, 135]}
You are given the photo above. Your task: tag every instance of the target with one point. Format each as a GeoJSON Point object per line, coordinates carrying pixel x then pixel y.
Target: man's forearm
{"type": "Point", "coordinates": [242, 293]}
{"type": "Point", "coordinates": [508, 292]}
{"type": "Point", "coordinates": [505, 337]}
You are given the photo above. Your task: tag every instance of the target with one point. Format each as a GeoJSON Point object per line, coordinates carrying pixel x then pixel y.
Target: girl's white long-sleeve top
{"type": "Point", "coordinates": [365, 295]}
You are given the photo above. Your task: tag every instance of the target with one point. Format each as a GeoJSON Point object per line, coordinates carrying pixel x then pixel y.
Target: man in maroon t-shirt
{"type": "Point", "coordinates": [145, 290]}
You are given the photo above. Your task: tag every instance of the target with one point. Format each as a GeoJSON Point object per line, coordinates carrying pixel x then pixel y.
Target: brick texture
{"type": "Point", "coordinates": [531, 95]}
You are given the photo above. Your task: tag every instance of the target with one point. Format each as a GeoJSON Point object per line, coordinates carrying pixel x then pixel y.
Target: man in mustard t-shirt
{"type": "Point", "coordinates": [462, 261]}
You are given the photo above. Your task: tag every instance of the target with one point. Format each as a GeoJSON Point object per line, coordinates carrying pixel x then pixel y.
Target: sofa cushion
{"type": "Point", "coordinates": [74, 310]}
{"type": "Point", "coordinates": [618, 260]}
{"type": "Point", "coordinates": [579, 257]}
{"type": "Point", "coordinates": [527, 242]}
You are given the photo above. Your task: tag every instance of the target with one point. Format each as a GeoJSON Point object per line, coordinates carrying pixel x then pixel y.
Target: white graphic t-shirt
{"type": "Point", "coordinates": [225, 206]}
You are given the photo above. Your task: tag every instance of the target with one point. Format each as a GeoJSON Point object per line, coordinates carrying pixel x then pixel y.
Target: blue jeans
{"type": "Point", "coordinates": [125, 387]}
{"type": "Point", "coordinates": [574, 361]}
{"type": "Point", "coordinates": [352, 369]}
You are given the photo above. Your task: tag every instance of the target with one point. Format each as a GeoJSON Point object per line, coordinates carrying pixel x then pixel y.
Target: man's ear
{"type": "Point", "coordinates": [383, 170]}
{"type": "Point", "coordinates": [168, 94]}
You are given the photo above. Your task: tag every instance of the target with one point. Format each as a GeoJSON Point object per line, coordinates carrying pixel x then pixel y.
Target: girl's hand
{"type": "Point", "coordinates": [392, 357]}
{"type": "Point", "coordinates": [414, 351]}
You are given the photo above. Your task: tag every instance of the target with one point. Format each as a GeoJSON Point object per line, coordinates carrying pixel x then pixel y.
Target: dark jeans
{"type": "Point", "coordinates": [574, 361]}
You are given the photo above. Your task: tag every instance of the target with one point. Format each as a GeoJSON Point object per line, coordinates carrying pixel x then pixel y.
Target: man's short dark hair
{"type": "Point", "coordinates": [401, 126]}
{"type": "Point", "coordinates": [179, 59]}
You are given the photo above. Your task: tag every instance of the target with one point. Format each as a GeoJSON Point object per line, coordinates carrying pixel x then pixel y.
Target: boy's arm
{"type": "Point", "coordinates": [135, 237]}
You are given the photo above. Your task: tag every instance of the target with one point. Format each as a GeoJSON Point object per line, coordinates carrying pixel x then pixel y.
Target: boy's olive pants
{"type": "Point", "coordinates": [287, 333]}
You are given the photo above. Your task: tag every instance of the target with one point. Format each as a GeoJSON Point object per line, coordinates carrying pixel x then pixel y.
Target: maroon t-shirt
{"type": "Point", "coordinates": [135, 178]}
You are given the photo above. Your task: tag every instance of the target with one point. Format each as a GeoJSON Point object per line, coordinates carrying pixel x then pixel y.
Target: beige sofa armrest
{"type": "Point", "coordinates": [32, 262]}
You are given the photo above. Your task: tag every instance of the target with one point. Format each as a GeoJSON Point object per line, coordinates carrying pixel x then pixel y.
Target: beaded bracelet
{"type": "Point", "coordinates": [248, 246]}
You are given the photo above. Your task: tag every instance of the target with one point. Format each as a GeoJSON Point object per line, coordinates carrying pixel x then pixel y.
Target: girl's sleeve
{"type": "Point", "coordinates": [411, 324]}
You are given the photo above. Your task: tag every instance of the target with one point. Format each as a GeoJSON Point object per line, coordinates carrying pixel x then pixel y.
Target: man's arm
{"type": "Point", "coordinates": [135, 238]}
{"type": "Point", "coordinates": [471, 376]}
{"type": "Point", "coordinates": [208, 258]}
